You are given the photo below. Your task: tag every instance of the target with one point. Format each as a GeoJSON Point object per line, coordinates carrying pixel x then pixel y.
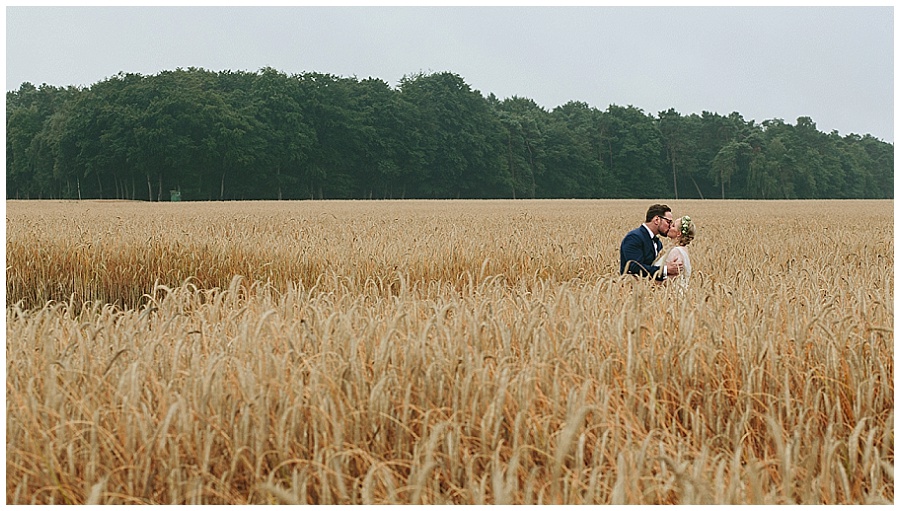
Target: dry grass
{"type": "Point", "coordinates": [446, 352]}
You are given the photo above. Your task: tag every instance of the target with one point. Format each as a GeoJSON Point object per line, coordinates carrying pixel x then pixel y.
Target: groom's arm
{"type": "Point", "coordinates": [632, 251]}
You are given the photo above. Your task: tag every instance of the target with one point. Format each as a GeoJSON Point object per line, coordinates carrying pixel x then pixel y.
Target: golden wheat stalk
{"type": "Point", "coordinates": [444, 353]}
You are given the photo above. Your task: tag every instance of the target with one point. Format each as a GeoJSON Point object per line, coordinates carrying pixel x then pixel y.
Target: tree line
{"type": "Point", "coordinates": [268, 135]}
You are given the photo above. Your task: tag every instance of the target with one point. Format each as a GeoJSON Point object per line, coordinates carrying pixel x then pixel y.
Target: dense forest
{"type": "Point", "coordinates": [228, 135]}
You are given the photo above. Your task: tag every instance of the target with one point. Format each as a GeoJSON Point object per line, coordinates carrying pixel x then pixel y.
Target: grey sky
{"type": "Point", "coordinates": [833, 64]}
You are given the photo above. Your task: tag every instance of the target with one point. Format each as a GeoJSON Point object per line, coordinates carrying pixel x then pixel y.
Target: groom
{"type": "Point", "coordinates": [641, 246]}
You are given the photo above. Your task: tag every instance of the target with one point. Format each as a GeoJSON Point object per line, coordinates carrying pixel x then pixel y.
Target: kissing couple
{"type": "Point", "coordinates": [641, 252]}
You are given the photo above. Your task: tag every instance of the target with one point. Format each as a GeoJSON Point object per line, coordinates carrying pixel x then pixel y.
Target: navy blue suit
{"type": "Point", "coordinates": [637, 253]}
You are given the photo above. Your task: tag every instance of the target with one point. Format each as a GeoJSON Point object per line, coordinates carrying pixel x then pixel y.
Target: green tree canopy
{"type": "Point", "coordinates": [269, 135]}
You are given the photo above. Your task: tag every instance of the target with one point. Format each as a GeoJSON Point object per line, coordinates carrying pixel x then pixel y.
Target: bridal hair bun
{"type": "Point", "coordinates": [688, 231]}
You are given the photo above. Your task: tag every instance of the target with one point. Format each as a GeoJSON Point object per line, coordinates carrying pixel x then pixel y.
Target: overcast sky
{"type": "Point", "coordinates": [832, 64]}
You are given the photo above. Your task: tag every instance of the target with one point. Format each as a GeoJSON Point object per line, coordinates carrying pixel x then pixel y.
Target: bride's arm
{"type": "Point", "coordinates": [675, 255]}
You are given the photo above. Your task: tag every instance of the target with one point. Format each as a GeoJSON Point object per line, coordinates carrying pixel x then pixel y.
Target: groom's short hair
{"type": "Point", "coordinates": [657, 210]}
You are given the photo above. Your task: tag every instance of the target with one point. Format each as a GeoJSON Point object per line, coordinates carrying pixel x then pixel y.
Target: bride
{"type": "Point", "coordinates": [682, 233]}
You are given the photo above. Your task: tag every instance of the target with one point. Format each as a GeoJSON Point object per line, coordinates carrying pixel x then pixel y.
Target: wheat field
{"type": "Point", "coordinates": [446, 352]}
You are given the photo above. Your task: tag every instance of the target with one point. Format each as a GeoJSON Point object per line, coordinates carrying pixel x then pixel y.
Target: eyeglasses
{"type": "Point", "coordinates": [668, 220]}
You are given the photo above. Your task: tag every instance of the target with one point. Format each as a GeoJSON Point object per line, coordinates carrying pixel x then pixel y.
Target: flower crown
{"type": "Point", "coordinates": [685, 225]}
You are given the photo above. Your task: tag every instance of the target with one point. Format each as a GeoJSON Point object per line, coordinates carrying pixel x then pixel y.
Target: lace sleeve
{"type": "Point", "coordinates": [675, 255]}
{"type": "Point", "coordinates": [681, 255]}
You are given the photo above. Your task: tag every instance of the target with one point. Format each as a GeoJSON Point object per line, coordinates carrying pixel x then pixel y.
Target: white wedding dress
{"type": "Point", "coordinates": [683, 278]}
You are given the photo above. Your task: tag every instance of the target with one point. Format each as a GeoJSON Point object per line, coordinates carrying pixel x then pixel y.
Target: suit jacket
{"type": "Point", "coordinates": [637, 253]}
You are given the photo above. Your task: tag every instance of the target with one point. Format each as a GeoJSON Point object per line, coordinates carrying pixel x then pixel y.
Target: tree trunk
{"type": "Point", "coordinates": [532, 166]}
{"type": "Point", "coordinates": [278, 179]}
{"type": "Point", "coordinates": [512, 168]}
{"type": "Point", "coordinates": [697, 187]}
{"type": "Point", "coordinates": [674, 175]}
